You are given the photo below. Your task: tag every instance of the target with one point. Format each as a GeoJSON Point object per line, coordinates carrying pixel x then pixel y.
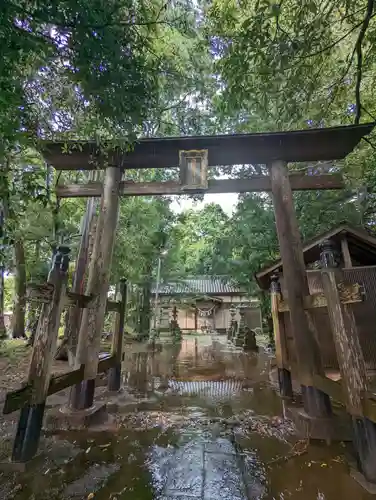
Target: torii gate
{"type": "Point", "coordinates": [192, 155]}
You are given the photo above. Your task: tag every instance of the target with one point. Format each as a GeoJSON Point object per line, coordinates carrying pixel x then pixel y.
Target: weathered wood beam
{"type": "Point", "coordinates": [30, 420]}
{"type": "Point", "coordinates": [48, 326]}
{"type": "Point", "coordinates": [114, 375]}
{"type": "Point", "coordinates": [74, 314]}
{"type": "Point", "coordinates": [294, 273]}
{"type": "Point", "coordinates": [98, 279]}
{"type": "Point", "coordinates": [299, 182]}
{"type": "Point", "coordinates": [43, 294]}
{"type": "Point", "coordinates": [316, 403]}
{"type": "Point", "coordinates": [113, 306]}
{"type": "Point", "coordinates": [284, 375]}
{"type": "Point", "coordinates": [346, 340]}
{"type": "Point", "coordinates": [335, 390]}
{"type": "Point", "coordinates": [21, 397]}
{"type": "Point", "coordinates": [236, 149]}
{"type": "Point", "coordinates": [346, 252]}
{"type": "Point", "coordinates": [349, 294]}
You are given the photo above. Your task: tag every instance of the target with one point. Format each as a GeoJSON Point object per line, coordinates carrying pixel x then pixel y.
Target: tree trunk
{"type": "Point", "coordinates": [18, 329]}
{"type": "Point", "coordinates": [3, 332]}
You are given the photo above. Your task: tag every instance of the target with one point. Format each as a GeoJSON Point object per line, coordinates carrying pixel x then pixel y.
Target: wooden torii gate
{"type": "Point", "coordinates": [193, 155]}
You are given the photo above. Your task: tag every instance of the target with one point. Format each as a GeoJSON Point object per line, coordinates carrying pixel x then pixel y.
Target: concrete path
{"type": "Point", "coordinates": [204, 468]}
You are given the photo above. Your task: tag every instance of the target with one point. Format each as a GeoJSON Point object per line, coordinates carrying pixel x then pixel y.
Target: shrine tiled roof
{"type": "Point", "coordinates": [201, 285]}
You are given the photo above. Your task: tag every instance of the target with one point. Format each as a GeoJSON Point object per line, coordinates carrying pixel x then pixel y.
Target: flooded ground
{"type": "Point", "coordinates": [198, 420]}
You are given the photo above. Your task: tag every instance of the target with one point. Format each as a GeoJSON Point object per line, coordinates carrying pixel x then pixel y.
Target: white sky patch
{"type": "Point", "coordinates": [226, 201]}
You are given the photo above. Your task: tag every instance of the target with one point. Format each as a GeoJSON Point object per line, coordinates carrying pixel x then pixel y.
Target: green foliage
{"type": "Point", "coordinates": [93, 63]}
{"type": "Point", "coordinates": [295, 62]}
{"type": "Point", "coordinates": [194, 240]}
{"type": "Point", "coordinates": [142, 234]}
{"type": "Point", "coordinates": [111, 71]}
{"type": "Point", "coordinates": [8, 293]}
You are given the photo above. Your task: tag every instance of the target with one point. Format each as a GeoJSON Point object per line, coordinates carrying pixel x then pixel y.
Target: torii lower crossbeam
{"type": "Point", "coordinates": [299, 182]}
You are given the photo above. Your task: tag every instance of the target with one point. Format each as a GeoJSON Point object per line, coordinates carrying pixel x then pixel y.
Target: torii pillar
{"type": "Point", "coordinates": [316, 403]}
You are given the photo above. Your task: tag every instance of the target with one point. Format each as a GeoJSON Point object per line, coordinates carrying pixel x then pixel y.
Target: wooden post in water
{"type": "Point", "coordinates": [316, 403]}
{"type": "Point", "coordinates": [351, 361]}
{"type": "Point", "coordinates": [31, 417]}
{"type": "Point", "coordinates": [284, 374]}
{"type": "Point", "coordinates": [98, 281]}
{"type": "Point", "coordinates": [114, 374]}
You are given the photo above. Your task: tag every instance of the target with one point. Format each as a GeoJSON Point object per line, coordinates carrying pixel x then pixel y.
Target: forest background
{"type": "Point", "coordinates": [118, 70]}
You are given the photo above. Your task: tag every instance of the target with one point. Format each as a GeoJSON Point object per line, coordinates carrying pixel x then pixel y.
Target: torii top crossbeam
{"type": "Point", "coordinates": [261, 148]}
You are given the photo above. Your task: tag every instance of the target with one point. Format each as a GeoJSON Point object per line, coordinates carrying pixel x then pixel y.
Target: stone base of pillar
{"type": "Point", "coordinates": [82, 395]}
{"type": "Point", "coordinates": [114, 377]}
{"type": "Point", "coordinates": [334, 428]}
{"type": "Point", "coordinates": [10, 466]}
{"type": "Point", "coordinates": [365, 447]}
{"type": "Point", "coordinates": [67, 419]}
{"type": "Point", "coordinates": [361, 480]}
{"type": "Point", "coordinates": [316, 403]}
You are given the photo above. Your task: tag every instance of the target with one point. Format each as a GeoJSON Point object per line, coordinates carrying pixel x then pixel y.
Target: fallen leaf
{"type": "Point", "coordinates": [104, 445]}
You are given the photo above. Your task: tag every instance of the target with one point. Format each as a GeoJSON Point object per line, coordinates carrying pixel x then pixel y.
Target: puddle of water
{"type": "Point", "coordinates": [203, 422]}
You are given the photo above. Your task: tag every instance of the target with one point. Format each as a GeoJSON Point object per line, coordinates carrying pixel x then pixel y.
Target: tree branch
{"type": "Point", "coordinates": [358, 48]}
{"type": "Point", "coordinates": [336, 42]}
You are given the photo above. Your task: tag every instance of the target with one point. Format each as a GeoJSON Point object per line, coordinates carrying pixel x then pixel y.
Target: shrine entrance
{"type": "Point", "coordinates": [205, 317]}
{"type": "Point", "coordinates": [193, 156]}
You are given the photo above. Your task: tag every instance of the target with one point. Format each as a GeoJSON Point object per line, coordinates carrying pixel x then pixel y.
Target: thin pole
{"type": "Point", "coordinates": [156, 311]}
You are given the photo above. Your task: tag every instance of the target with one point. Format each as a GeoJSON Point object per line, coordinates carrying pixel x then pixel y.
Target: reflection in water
{"type": "Point", "coordinates": [210, 383]}
{"type": "Point", "coordinates": [200, 421]}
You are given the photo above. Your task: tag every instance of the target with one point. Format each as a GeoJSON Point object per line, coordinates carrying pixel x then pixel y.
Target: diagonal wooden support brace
{"type": "Point", "coordinates": [44, 293]}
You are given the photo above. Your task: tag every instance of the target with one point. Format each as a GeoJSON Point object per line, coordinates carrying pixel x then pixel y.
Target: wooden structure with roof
{"type": "Point", "coordinates": [192, 156]}
{"type": "Point", "coordinates": [204, 303]}
{"type": "Point", "coordinates": [355, 253]}
{"type": "Point", "coordinates": [341, 275]}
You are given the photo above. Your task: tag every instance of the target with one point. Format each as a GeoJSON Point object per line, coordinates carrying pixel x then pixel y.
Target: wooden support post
{"type": "Point", "coordinates": [316, 403]}
{"type": "Point", "coordinates": [346, 253]}
{"type": "Point", "coordinates": [284, 374]}
{"type": "Point", "coordinates": [114, 374]}
{"type": "Point", "coordinates": [31, 417]}
{"type": "Point", "coordinates": [351, 362]}
{"type": "Point", "coordinates": [98, 281]}
{"type": "Point", "coordinates": [74, 313]}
